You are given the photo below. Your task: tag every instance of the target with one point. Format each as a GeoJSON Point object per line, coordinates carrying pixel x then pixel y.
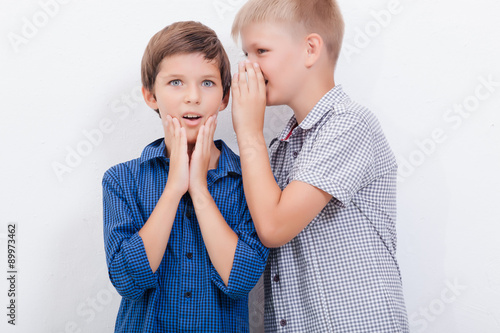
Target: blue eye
{"type": "Point", "coordinates": [175, 83]}
{"type": "Point", "coordinates": [207, 83]}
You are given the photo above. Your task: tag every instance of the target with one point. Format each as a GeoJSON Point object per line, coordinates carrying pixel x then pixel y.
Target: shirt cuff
{"type": "Point", "coordinates": [137, 263]}
{"type": "Point", "coordinates": [340, 194]}
{"type": "Point", "coordinates": [245, 273]}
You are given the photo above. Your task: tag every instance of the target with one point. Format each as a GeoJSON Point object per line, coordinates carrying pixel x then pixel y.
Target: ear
{"type": "Point", "coordinates": [314, 47]}
{"type": "Point", "coordinates": [224, 103]}
{"type": "Point", "coordinates": [149, 98]}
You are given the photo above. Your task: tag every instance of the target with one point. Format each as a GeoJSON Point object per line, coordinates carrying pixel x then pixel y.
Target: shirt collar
{"type": "Point", "coordinates": [155, 149]}
{"type": "Point", "coordinates": [327, 103]}
{"type": "Point", "coordinates": [228, 163]}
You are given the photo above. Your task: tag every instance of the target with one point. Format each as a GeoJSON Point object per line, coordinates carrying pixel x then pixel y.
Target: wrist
{"type": "Point", "coordinates": [247, 134]}
{"type": "Point", "coordinates": [200, 196]}
{"type": "Point", "coordinates": [172, 191]}
{"type": "Point", "coordinates": [251, 141]}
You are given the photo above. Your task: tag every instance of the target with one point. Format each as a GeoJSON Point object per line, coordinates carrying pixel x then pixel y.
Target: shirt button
{"type": "Point", "coordinates": [276, 278]}
{"type": "Point", "coordinates": [283, 322]}
{"type": "Point", "coordinates": [295, 154]}
{"type": "Point", "coordinates": [187, 294]}
{"type": "Point", "coordinates": [189, 255]}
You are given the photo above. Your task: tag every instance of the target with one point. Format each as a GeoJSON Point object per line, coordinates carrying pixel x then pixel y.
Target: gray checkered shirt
{"type": "Point", "coordinates": [340, 273]}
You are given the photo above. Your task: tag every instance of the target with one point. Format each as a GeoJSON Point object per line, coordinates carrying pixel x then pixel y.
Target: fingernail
{"type": "Point", "coordinates": [256, 65]}
{"type": "Point", "coordinates": [247, 61]}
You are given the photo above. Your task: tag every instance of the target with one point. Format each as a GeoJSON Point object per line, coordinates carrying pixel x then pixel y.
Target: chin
{"type": "Point", "coordinates": [191, 139]}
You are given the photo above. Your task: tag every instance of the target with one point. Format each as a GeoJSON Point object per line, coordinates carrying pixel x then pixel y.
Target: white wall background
{"type": "Point", "coordinates": [423, 69]}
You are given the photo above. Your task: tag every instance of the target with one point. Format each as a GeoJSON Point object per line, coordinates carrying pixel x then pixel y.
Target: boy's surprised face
{"type": "Point", "coordinates": [280, 54]}
{"type": "Point", "coordinates": [189, 88]}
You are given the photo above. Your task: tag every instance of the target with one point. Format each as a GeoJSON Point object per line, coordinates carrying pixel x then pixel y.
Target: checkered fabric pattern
{"type": "Point", "coordinates": [186, 293]}
{"type": "Point", "coordinates": [340, 273]}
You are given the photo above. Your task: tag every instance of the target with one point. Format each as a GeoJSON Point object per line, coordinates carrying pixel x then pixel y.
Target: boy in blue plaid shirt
{"type": "Point", "coordinates": [181, 247]}
{"type": "Point", "coordinates": [324, 200]}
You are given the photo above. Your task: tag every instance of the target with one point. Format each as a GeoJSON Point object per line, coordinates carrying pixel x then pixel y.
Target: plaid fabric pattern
{"type": "Point", "coordinates": [340, 273]}
{"type": "Point", "coordinates": [186, 293]}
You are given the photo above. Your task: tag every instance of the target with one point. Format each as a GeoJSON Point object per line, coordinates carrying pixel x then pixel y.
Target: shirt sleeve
{"type": "Point", "coordinates": [341, 158]}
{"type": "Point", "coordinates": [128, 265]}
{"type": "Point", "coordinates": [249, 261]}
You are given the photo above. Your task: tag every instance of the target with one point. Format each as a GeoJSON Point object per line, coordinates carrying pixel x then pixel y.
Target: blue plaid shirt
{"type": "Point", "coordinates": [186, 293]}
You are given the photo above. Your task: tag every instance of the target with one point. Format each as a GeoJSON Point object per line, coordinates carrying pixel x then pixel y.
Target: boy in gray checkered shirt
{"type": "Point", "coordinates": [325, 199]}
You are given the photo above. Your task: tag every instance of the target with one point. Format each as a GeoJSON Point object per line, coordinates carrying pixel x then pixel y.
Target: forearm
{"type": "Point", "coordinates": [156, 231]}
{"type": "Point", "coordinates": [261, 190]}
{"type": "Point", "coordinates": [220, 240]}
{"type": "Point", "coordinates": [278, 215]}
{"type": "Point", "coordinates": [129, 269]}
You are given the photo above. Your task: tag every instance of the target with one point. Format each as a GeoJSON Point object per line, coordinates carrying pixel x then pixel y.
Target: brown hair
{"type": "Point", "coordinates": [315, 16]}
{"type": "Point", "coordinates": [184, 38]}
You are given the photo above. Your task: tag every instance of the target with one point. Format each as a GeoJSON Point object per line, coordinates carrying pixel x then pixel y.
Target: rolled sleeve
{"type": "Point", "coordinates": [340, 160]}
{"type": "Point", "coordinates": [128, 265]}
{"type": "Point", "coordinates": [249, 262]}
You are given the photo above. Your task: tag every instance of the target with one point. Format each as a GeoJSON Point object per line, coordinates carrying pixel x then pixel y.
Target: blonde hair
{"type": "Point", "coordinates": [315, 16]}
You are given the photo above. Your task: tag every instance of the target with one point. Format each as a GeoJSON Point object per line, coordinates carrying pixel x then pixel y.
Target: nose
{"type": "Point", "coordinates": [192, 95]}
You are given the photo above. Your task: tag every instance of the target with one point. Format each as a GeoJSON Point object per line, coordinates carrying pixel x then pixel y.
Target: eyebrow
{"type": "Point", "coordinates": [257, 43]}
{"type": "Point", "coordinates": [169, 75]}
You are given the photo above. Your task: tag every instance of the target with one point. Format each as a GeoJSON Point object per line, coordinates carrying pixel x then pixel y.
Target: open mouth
{"type": "Point", "coordinates": [191, 117]}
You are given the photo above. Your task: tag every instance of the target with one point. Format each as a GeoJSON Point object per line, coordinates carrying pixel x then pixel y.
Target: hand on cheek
{"type": "Point", "coordinates": [175, 138]}
{"type": "Point", "coordinates": [200, 159]}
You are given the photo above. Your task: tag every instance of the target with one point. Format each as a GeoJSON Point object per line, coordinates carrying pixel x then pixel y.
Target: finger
{"type": "Point", "coordinates": [167, 130]}
{"type": "Point", "coordinates": [215, 124]}
{"type": "Point", "coordinates": [173, 135]}
{"type": "Point", "coordinates": [177, 130]}
{"type": "Point", "coordinates": [213, 128]}
{"type": "Point", "coordinates": [183, 140]}
{"type": "Point", "coordinates": [242, 82]}
{"type": "Point", "coordinates": [235, 88]}
{"type": "Point", "coordinates": [172, 127]}
{"type": "Point", "coordinates": [198, 148]}
{"type": "Point", "coordinates": [260, 77]}
{"type": "Point", "coordinates": [209, 135]}
{"type": "Point", "coordinates": [176, 124]}
{"type": "Point", "coordinates": [166, 124]}
{"type": "Point", "coordinates": [253, 85]}
{"type": "Point", "coordinates": [212, 133]}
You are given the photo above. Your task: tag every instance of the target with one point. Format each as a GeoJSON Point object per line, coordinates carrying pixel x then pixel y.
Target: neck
{"type": "Point", "coordinates": [309, 97]}
{"type": "Point", "coordinates": [214, 156]}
